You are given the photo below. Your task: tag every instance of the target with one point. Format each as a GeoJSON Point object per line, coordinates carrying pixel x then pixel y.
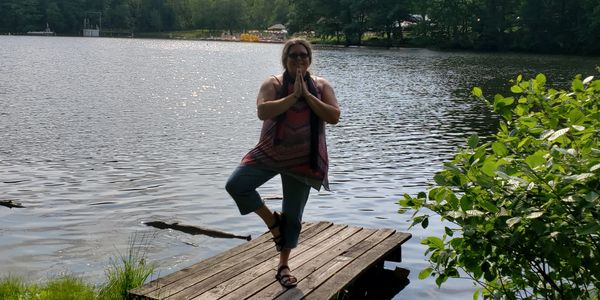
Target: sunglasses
{"type": "Point", "coordinates": [298, 55]}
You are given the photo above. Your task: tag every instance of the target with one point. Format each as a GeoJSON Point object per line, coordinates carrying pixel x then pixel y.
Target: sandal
{"type": "Point", "coordinates": [278, 239]}
{"type": "Point", "coordinates": [287, 280]}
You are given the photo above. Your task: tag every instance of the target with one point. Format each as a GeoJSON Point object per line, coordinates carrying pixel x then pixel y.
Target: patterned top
{"type": "Point", "coordinates": [286, 141]}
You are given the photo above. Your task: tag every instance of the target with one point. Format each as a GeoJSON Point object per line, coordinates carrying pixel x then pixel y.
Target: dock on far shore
{"type": "Point", "coordinates": [328, 259]}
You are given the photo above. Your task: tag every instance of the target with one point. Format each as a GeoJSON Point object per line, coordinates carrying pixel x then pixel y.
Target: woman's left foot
{"type": "Point", "coordinates": [285, 278]}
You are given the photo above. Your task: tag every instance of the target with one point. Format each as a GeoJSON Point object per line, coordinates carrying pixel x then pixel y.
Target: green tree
{"type": "Point", "coordinates": [55, 18]}
{"type": "Point", "coordinates": [386, 18]}
{"type": "Point", "coordinates": [304, 15]}
{"type": "Point", "coordinates": [228, 14]}
{"type": "Point", "coordinates": [495, 22]}
{"type": "Point", "coordinates": [21, 16]}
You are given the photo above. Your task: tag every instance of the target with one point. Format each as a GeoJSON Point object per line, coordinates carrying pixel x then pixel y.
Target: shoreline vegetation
{"type": "Point", "coordinates": [371, 40]}
{"type": "Point", "coordinates": [517, 204]}
{"type": "Point", "coordinates": [123, 273]}
{"type": "Point", "coordinates": [553, 26]}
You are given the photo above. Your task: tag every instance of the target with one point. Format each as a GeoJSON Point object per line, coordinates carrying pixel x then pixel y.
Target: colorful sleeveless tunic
{"type": "Point", "coordinates": [293, 143]}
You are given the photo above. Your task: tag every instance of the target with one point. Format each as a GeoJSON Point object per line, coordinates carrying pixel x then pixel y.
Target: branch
{"type": "Point", "coordinates": [547, 278]}
{"type": "Point", "coordinates": [11, 204]}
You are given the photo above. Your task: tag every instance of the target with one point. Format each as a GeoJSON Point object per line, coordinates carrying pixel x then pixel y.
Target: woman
{"type": "Point", "coordinates": [293, 107]}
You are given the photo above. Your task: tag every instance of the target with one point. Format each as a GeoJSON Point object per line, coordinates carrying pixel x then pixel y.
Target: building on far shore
{"type": "Point", "coordinates": [92, 23]}
{"type": "Point", "coordinates": [276, 33]}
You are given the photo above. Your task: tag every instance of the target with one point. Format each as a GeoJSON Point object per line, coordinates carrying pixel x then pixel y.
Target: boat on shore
{"type": "Point", "coordinates": [46, 32]}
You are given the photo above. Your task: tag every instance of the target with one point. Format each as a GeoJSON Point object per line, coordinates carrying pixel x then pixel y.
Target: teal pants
{"type": "Point", "coordinates": [242, 185]}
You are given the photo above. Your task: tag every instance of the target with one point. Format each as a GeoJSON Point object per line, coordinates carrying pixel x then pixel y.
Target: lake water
{"type": "Point", "coordinates": [100, 135]}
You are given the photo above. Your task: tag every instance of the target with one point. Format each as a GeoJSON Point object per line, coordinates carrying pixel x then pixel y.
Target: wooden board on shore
{"type": "Point", "coordinates": [328, 258]}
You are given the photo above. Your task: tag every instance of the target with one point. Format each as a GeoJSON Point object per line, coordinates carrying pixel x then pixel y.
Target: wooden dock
{"type": "Point", "coordinates": [328, 258]}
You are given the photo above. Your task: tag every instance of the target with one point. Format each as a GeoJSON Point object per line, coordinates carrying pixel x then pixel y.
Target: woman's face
{"type": "Point", "coordinates": [297, 58]}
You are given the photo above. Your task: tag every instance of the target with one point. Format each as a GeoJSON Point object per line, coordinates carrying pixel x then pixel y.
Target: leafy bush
{"type": "Point", "coordinates": [524, 208]}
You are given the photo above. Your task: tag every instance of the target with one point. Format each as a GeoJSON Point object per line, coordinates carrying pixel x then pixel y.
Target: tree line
{"type": "Point", "coordinates": [563, 26]}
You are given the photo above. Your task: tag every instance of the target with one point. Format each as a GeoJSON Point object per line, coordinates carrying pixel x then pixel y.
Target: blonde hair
{"type": "Point", "coordinates": [293, 42]}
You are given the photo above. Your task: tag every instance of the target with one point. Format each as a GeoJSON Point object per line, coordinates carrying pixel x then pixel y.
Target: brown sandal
{"type": "Point", "coordinates": [287, 280]}
{"type": "Point", "coordinates": [278, 239]}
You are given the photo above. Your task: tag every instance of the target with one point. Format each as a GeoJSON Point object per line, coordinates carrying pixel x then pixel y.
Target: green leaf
{"type": "Point", "coordinates": [477, 92]}
{"type": "Point", "coordinates": [489, 206]}
{"type": "Point", "coordinates": [591, 196]}
{"type": "Point", "coordinates": [425, 273]}
{"type": "Point", "coordinates": [512, 221]}
{"type": "Point", "coordinates": [476, 293]}
{"type": "Point", "coordinates": [580, 177]}
{"type": "Point", "coordinates": [558, 134]}
{"type": "Point", "coordinates": [535, 215]}
{"type": "Point", "coordinates": [528, 122]}
{"type": "Point", "coordinates": [440, 179]}
{"type": "Point", "coordinates": [535, 160]}
{"type": "Point", "coordinates": [499, 149]}
{"type": "Point", "coordinates": [489, 166]}
{"type": "Point", "coordinates": [541, 78]}
{"type": "Point", "coordinates": [508, 101]}
{"type": "Point", "coordinates": [520, 109]}
{"type": "Point", "coordinates": [575, 116]}
{"type": "Point", "coordinates": [523, 142]}
{"type": "Point", "coordinates": [473, 141]}
{"type": "Point", "coordinates": [448, 231]}
{"type": "Point", "coordinates": [474, 213]}
{"type": "Point", "coordinates": [516, 89]}
{"type": "Point", "coordinates": [466, 203]}
{"type": "Point", "coordinates": [433, 242]}
{"type": "Point", "coordinates": [577, 85]}
{"type": "Point", "coordinates": [592, 228]}
{"type": "Point", "coordinates": [441, 279]}
{"type": "Point", "coordinates": [489, 276]}
{"type": "Point", "coordinates": [425, 223]}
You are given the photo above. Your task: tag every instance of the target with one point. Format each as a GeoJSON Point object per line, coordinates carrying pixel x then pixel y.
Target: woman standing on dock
{"type": "Point", "coordinates": [294, 107]}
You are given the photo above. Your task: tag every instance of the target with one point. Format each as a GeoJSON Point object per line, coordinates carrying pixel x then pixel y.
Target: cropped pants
{"type": "Point", "coordinates": [242, 185]}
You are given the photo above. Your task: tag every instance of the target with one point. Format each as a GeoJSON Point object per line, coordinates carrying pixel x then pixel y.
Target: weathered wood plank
{"type": "Point", "coordinates": [357, 266]}
{"type": "Point", "coordinates": [257, 266]}
{"type": "Point", "coordinates": [297, 258]}
{"type": "Point", "coordinates": [327, 269]}
{"type": "Point", "coordinates": [162, 286]}
{"type": "Point", "coordinates": [230, 267]}
{"type": "Point", "coordinates": [308, 262]}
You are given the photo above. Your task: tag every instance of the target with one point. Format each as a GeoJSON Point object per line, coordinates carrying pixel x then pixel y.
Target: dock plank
{"type": "Point", "coordinates": [155, 288]}
{"type": "Point", "coordinates": [356, 267]}
{"type": "Point", "coordinates": [261, 263]}
{"type": "Point", "coordinates": [309, 263]}
{"type": "Point", "coordinates": [328, 258]}
{"type": "Point", "coordinates": [210, 277]}
{"type": "Point", "coordinates": [269, 287]}
{"type": "Point", "coordinates": [334, 265]}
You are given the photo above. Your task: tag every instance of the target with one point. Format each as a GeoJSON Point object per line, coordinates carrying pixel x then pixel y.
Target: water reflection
{"type": "Point", "coordinates": [99, 136]}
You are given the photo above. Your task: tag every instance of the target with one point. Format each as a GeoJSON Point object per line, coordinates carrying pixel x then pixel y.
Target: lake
{"type": "Point", "coordinates": [98, 136]}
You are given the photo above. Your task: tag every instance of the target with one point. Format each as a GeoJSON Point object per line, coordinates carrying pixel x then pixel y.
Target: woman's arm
{"type": "Point", "coordinates": [327, 108]}
{"type": "Point", "coordinates": [267, 106]}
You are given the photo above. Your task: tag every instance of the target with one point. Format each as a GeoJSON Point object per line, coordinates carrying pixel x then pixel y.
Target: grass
{"type": "Point", "coordinates": [123, 273]}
